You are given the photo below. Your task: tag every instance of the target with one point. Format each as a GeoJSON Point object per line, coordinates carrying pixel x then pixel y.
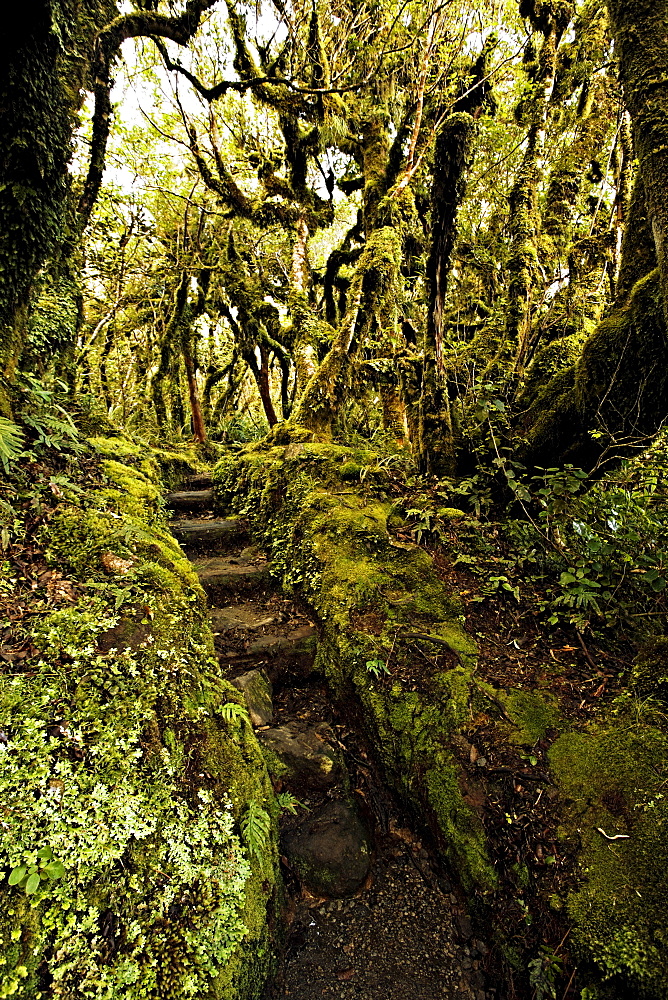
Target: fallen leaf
{"type": "Point", "coordinates": [114, 564]}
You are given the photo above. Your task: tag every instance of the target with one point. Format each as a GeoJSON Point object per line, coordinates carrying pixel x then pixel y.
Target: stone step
{"type": "Point", "coordinates": [200, 482]}
{"type": "Point", "coordinates": [240, 616]}
{"type": "Point", "coordinates": [190, 500]}
{"type": "Point", "coordinates": [221, 574]}
{"type": "Point", "coordinates": [298, 647]}
{"type": "Point", "coordinates": [208, 534]}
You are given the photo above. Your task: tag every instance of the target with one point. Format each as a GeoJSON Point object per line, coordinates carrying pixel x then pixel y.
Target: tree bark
{"type": "Point", "coordinates": [641, 42]}
{"type": "Point", "coordinates": [436, 445]}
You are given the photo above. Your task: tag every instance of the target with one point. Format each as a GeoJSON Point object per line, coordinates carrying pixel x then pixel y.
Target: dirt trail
{"type": "Point", "coordinates": [403, 931]}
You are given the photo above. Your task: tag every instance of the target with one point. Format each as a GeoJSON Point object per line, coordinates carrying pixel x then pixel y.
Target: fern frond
{"type": "Point", "coordinates": [12, 440]}
{"type": "Point", "coordinates": [287, 802]}
{"type": "Point", "coordinates": [255, 828]}
{"type": "Point", "coordinates": [231, 712]}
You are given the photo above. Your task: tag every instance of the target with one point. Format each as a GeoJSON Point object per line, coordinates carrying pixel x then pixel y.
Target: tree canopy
{"type": "Point", "coordinates": [309, 208]}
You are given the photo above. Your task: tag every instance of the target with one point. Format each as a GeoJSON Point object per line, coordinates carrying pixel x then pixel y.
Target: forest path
{"type": "Point", "coordinates": [396, 927]}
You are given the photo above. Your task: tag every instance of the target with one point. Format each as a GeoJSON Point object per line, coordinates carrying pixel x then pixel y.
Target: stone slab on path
{"type": "Point", "coordinates": [240, 616]}
{"type": "Point", "coordinates": [307, 762]}
{"type": "Point", "coordinates": [203, 481]}
{"type": "Point", "coordinates": [203, 534]}
{"type": "Point", "coordinates": [222, 574]}
{"type": "Point", "coordinates": [256, 689]}
{"type": "Point", "coordinates": [298, 647]}
{"type": "Point", "coordinates": [190, 500]}
{"type": "Point", "coordinates": [330, 850]}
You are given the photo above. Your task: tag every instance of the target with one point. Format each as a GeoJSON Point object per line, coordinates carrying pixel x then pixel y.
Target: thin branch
{"type": "Point", "coordinates": [107, 43]}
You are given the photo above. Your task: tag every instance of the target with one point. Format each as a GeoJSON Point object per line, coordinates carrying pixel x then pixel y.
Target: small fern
{"type": "Point", "coordinates": [11, 442]}
{"type": "Point", "coordinates": [287, 802]}
{"type": "Point", "coordinates": [255, 828]}
{"type": "Point", "coordinates": [231, 711]}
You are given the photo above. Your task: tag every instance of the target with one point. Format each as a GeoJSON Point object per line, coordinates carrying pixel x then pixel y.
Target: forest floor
{"type": "Point", "coordinates": [405, 931]}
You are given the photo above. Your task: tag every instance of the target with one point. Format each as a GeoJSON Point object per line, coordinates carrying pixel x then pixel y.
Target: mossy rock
{"type": "Point", "coordinates": [613, 783]}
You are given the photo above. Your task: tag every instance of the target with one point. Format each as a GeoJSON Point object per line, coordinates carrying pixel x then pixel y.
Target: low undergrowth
{"type": "Point", "coordinates": [124, 778]}
{"type": "Point", "coordinates": [494, 757]}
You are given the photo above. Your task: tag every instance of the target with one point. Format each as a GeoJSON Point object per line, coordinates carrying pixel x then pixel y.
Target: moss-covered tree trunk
{"type": "Point", "coordinates": [619, 387]}
{"type": "Point", "coordinates": [640, 29]}
{"type": "Point", "coordinates": [614, 399]}
{"type": "Point", "coordinates": [35, 135]}
{"type": "Point", "coordinates": [436, 445]}
{"type": "Point", "coordinates": [523, 261]}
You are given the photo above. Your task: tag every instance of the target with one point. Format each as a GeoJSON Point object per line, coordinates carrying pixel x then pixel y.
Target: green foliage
{"type": "Point", "coordinates": [108, 832]}
{"type": "Point", "coordinates": [377, 667]}
{"type": "Point", "coordinates": [36, 869]}
{"type": "Point", "coordinates": [231, 711]}
{"type": "Point", "coordinates": [255, 828]}
{"type": "Point", "coordinates": [11, 442]}
{"type": "Point", "coordinates": [287, 802]}
{"type": "Point", "coordinates": [544, 973]}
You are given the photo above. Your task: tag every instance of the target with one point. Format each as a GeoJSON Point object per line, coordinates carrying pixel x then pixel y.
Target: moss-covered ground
{"type": "Point", "coordinates": [514, 778]}
{"type": "Point", "coordinates": [123, 771]}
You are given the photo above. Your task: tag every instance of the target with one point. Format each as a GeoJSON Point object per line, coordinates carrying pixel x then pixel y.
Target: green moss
{"type": "Point", "coordinates": [614, 780]}
{"type": "Point", "coordinates": [533, 714]}
{"type": "Point", "coordinates": [124, 764]}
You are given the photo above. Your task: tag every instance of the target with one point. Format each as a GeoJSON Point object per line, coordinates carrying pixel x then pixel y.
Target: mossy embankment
{"type": "Point", "coordinates": [323, 515]}
{"type": "Point", "coordinates": [123, 756]}
{"type": "Point", "coordinates": [329, 541]}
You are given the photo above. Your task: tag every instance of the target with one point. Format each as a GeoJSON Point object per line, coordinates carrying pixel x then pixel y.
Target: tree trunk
{"type": "Point", "coordinates": [639, 29]}
{"type": "Point", "coordinates": [199, 429]}
{"type": "Point", "coordinates": [435, 445]}
{"type": "Point", "coordinates": [35, 131]}
{"type": "Point", "coordinates": [618, 389]}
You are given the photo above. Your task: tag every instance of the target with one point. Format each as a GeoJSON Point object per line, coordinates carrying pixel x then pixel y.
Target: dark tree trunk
{"type": "Point", "coordinates": [451, 160]}
{"type": "Point", "coordinates": [35, 133]}
{"type": "Point", "coordinates": [639, 29]}
{"type": "Point", "coordinates": [199, 429]}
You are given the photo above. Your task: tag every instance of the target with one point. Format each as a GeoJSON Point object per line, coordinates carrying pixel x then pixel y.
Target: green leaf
{"type": "Point", "coordinates": [17, 874]}
{"type": "Point", "coordinates": [255, 828]}
{"type": "Point", "coordinates": [32, 885]}
{"type": "Point", "coordinates": [45, 852]}
{"type": "Point", "coordinates": [232, 712]}
{"type": "Point", "coordinates": [55, 869]}
{"type": "Point", "coordinates": [12, 440]}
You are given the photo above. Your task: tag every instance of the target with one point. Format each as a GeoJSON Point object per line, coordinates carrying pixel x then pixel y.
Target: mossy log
{"type": "Point", "coordinates": [331, 543]}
